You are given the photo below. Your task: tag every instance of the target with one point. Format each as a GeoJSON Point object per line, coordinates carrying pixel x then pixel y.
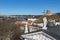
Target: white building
{"type": "Point", "coordinates": [32, 19]}
{"type": "Point", "coordinates": [57, 23]}
{"type": "Point", "coordinates": [39, 24]}
{"type": "Point", "coordinates": [38, 36]}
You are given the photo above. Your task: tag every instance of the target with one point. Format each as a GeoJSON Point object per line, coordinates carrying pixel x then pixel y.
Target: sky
{"type": "Point", "coordinates": [28, 7]}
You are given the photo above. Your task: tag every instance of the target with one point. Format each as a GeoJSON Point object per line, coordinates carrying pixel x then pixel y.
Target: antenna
{"type": "Point", "coordinates": [44, 12]}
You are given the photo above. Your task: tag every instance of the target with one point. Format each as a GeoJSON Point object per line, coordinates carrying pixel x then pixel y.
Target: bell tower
{"type": "Point", "coordinates": [47, 12]}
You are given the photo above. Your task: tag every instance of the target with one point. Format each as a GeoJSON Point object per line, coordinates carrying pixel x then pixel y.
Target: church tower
{"type": "Point", "coordinates": [47, 12]}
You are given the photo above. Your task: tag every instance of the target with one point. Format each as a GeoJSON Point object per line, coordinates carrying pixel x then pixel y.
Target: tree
{"type": "Point", "coordinates": [9, 30]}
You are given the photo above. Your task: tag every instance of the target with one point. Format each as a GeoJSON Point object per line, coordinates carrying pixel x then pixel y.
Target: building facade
{"type": "Point", "coordinates": [38, 36]}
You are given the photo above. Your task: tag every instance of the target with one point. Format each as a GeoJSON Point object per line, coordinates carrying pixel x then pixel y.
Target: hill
{"type": "Point", "coordinates": [55, 16]}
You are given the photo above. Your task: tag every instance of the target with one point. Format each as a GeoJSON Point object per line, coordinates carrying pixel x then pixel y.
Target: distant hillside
{"type": "Point", "coordinates": [55, 16]}
{"type": "Point", "coordinates": [27, 16]}
{"type": "Point", "coordinates": [58, 13]}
